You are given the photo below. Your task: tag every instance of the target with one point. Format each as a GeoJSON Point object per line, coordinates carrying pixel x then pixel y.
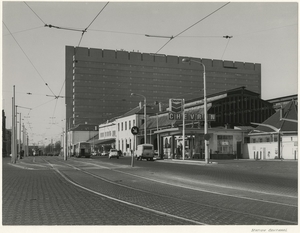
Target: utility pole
{"type": "Point", "coordinates": [20, 141]}
{"type": "Point", "coordinates": [66, 138]}
{"type": "Point", "coordinates": [13, 131]}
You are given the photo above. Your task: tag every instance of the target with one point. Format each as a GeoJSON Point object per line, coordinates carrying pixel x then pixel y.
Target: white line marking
{"type": "Point", "coordinates": [202, 190]}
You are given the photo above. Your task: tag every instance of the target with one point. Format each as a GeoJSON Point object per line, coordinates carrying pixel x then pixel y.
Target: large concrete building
{"type": "Point", "coordinates": [99, 82]}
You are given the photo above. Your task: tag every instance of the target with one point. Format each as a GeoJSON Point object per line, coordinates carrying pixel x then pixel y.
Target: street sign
{"type": "Point", "coordinates": [206, 137]}
{"type": "Point", "coordinates": [134, 130]}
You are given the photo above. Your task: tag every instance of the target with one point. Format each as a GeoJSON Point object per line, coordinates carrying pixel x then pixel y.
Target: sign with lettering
{"type": "Point", "coordinates": [191, 116]}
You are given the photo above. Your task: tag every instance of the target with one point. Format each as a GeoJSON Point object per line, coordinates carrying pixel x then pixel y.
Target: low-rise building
{"type": "Point", "coordinates": [277, 137]}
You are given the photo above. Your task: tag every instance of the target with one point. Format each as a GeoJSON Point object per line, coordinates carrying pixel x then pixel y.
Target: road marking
{"type": "Point", "coordinates": [23, 167]}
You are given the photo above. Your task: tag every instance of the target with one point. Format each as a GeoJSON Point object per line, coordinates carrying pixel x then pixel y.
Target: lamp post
{"type": "Point", "coordinates": [145, 119]}
{"type": "Point", "coordinates": [186, 60]}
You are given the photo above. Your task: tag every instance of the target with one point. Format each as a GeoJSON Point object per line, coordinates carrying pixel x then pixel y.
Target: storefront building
{"type": "Point", "coordinates": [229, 122]}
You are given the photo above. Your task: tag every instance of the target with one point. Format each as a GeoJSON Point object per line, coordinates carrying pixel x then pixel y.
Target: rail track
{"type": "Point", "coordinates": [185, 204]}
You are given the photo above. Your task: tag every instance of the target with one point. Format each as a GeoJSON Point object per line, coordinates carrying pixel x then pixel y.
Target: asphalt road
{"type": "Point", "coordinates": [102, 191]}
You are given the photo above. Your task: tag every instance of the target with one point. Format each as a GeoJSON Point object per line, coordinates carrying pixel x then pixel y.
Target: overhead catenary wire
{"type": "Point", "coordinates": [83, 32]}
{"type": "Point", "coordinates": [81, 40]}
{"type": "Point", "coordinates": [28, 58]}
{"type": "Point", "coordinates": [171, 38]}
{"type": "Point", "coordinates": [35, 13]}
{"type": "Point", "coordinates": [227, 37]}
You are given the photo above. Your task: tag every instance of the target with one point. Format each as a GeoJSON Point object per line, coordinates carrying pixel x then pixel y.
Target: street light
{"type": "Point", "coordinates": [188, 60]}
{"type": "Point", "coordinates": [145, 120]}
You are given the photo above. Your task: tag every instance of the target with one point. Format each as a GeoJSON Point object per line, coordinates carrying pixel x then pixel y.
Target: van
{"type": "Point", "coordinates": [145, 151]}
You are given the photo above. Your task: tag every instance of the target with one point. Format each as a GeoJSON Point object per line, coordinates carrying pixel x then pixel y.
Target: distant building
{"type": "Point", "coordinates": [99, 82]}
{"type": "Point", "coordinates": [81, 133]}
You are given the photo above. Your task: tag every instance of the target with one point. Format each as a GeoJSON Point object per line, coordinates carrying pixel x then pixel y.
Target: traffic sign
{"type": "Point", "coordinates": [206, 137]}
{"type": "Point", "coordinates": [134, 130]}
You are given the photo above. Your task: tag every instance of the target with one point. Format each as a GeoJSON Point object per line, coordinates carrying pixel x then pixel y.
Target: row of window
{"type": "Point", "coordinates": [125, 124]}
{"type": "Point", "coordinates": [108, 134]}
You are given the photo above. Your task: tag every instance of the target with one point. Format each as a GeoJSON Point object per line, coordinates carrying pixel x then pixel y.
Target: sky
{"type": "Point", "coordinates": [33, 56]}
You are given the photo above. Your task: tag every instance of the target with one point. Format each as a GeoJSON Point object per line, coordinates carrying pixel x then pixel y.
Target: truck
{"type": "Point", "coordinates": [145, 151]}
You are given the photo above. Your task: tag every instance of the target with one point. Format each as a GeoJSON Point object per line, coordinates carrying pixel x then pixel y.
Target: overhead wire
{"type": "Point", "coordinates": [65, 28]}
{"type": "Point", "coordinates": [81, 40]}
{"type": "Point", "coordinates": [82, 34]}
{"type": "Point", "coordinates": [26, 30]}
{"type": "Point", "coordinates": [35, 13]}
{"type": "Point", "coordinates": [28, 58]}
{"type": "Point", "coordinates": [171, 38]}
{"type": "Point", "coordinates": [226, 46]}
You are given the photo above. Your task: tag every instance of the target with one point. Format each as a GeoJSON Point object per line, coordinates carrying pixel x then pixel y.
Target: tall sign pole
{"type": "Point", "coordinates": [134, 131]}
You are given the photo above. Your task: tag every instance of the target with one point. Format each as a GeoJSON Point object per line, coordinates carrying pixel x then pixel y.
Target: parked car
{"type": "Point", "coordinates": [94, 153]}
{"type": "Point", "coordinates": [113, 153]}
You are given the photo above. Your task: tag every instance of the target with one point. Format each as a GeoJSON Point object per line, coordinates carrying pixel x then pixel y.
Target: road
{"type": "Point", "coordinates": [102, 191]}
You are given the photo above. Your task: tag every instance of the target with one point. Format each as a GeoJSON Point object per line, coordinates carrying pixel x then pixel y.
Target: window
{"type": "Point", "coordinates": [225, 144]}
{"type": "Point", "coordinates": [122, 126]}
{"type": "Point", "coordinates": [118, 126]}
{"type": "Point", "coordinates": [125, 125]}
{"type": "Point", "coordinates": [133, 122]}
{"type": "Point", "coordinates": [129, 122]}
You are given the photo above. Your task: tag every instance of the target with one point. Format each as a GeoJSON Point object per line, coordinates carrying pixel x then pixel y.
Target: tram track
{"type": "Point", "coordinates": [183, 206]}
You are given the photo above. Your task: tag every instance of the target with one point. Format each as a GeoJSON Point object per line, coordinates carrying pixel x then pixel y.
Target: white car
{"type": "Point", "coordinates": [113, 153]}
